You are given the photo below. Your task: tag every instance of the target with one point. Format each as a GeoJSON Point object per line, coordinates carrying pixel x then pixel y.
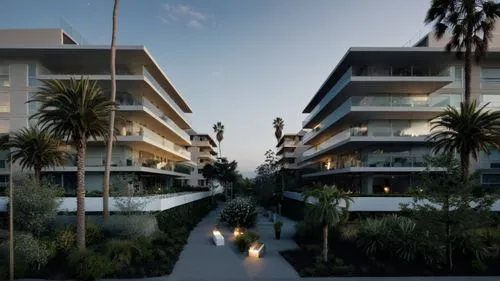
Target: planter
{"type": "Point", "coordinates": [277, 235]}
{"type": "Point", "coordinates": [257, 250]}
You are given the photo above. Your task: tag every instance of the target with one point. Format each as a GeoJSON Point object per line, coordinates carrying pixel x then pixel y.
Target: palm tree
{"type": "Point", "coordinates": [467, 131]}
{"type": "Point", "coordinates": [109, 146]}
{"type": "Point", "coordinates": [75, 110]}
{"type": "Point", "coordinates": [219, 130]}
{"type": "Point", "coordinates": [328, 209]}
{"type": "Point", "coordinates": [278, 125]}
{"type": "Point", "coordinates": [471, 23]}
{"type": "Point", "coordinates": [35, 149]}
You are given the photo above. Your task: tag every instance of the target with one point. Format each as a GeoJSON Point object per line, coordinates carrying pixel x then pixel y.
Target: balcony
{"type": "Point", "coordinates": [141, 106]}
{"type": "Point", "coordinates": [372, 80]}
{"type": "Point", "coordinates": [145, 139]}
{"type": "Point", "coordinates": [121, 164]}
{"type": "Point", "coordinates": [207, 155]}
{"type": "Point", "coordinates": [142, 82]}
{"type": "Point", "coordinates": [373, 163]}
{"type": "Point", "coordinates": [355, 137]}
{"type": "Point", "coordinates": [360, 108]}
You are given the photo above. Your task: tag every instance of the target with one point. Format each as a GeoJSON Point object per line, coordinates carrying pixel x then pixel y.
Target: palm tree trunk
{"type": "Point", "coordinates": [468, 52]}
{"type": "Point", "coordinates": [38, 170]}
{"type": "Point", "coordinates": [109, 151]}
{"type": "Point", "coordinates": [464, 161]}
{"type": "Point", "coordinates": [220, 151]}
{"type": "Point", "coordinates": [325, 243]}
{"type": "Point", "coordinates": [80, 194]}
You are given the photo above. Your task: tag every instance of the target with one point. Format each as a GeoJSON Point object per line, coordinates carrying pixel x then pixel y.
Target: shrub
{"type": "Point", "coordinates": [65, 239]}
{"type": "Point", "coordinates": [119, 253]}
{"type": "Point", "coordinates": [87, 265]}
{"type": "Point", "coordinates": [131, 226]}
{"type": "Point", "coordinates": [93, 232]}
{"type": "Point", "coordinates": [307, 233]}
{"type": "Point", "coordinates": [244, 241]}
{"type": "Point", "coordinates": [35, 205]}
{"type": "Point", "coordinates": [239, 212]}
{"type": "Point", "coordinates": [30, 254]}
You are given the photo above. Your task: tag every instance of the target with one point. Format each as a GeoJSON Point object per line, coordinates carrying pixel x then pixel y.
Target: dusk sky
{"type": "Point", "coordinates": [239, 62]}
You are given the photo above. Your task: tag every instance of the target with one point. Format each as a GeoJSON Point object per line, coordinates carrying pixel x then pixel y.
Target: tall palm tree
{"type": "Point", "coordinates": [219, 130]}
{"type": "Point", "coordinates": [331, 208]}
{"type": "Point", "coordinates": [35, 149]}
{"type": "Point", "coordinates": [471, 23]}
{"type": "Point", "coordinates": [109, 146]}
{"type": "Point", "coordinates": [75, 110]}
{"type": "Point", "coordinates": [278, 125]}
{"type": "Point", "coordinates": [467, 131]}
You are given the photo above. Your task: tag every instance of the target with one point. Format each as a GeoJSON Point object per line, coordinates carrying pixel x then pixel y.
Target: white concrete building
{"type": "Point", "coordinates": [203, 151]}
{"type": "Point", "coordinates": [369, 120]}
{"type": "Point", "coordinates": [152, 140]}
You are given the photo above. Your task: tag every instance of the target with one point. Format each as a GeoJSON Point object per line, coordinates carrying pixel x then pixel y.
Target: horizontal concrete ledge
{"type": "Point", "coordinates": [145, 203]}
{"type": "Point", "coordinates": [373, 204]}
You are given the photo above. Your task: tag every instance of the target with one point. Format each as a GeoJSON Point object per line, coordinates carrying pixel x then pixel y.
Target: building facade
{"type": "Point", "coordinates": [203, 152]}
{"type": "Point", "coordinates": [369, 121]}
{"type": "Point", "coordinates": [289, 149]}
{"type": "Point", "coordinates": [152, 120]}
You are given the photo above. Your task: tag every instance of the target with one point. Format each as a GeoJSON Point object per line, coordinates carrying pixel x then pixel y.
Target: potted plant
{"type": "Point", "coordinates": [277, 229]}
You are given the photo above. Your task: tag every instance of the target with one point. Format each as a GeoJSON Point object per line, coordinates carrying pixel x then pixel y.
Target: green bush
{"type": "Point", "coordinates": [35, 205]}
{"type": "Point", "coordinates": [120, 252]}
{"type": "Point", "coordinates": [65, 239]}
{"type": "Point", "coordinates": [30, 254]}
{"type": "Point", "coordinates": [130, 226]}
{"type": "Point", "coordinates": [87, 265]}
{"type": "Point", "coordinates": [93, 233]}
{"type": "Point", "coordinates": [239, 212]}
{"type": "Point", "coordinates": [244, 241]}
{"type": "Point", "coordinates": [185, 216]}
{"type": "Point", "coordinates": [307, 233]}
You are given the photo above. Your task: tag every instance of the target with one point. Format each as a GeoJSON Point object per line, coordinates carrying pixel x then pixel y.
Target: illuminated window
{"type": "Point", "coordinates": [4, 126]}
{"type": "Point", "coordinates": [4, 102]}
{"type": "Point", "coordinates": [4, 76]}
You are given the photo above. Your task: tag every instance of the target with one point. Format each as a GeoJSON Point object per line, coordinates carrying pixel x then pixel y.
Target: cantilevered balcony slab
{"type": "Point", "coordinates": [354, 83]}
{"type": "Point", "coordinates": [390, 170]}
{"type": "Point", "coordinates": [134, 84]}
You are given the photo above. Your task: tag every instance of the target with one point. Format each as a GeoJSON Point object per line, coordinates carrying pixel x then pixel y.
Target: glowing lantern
{"type": "Point", "coordinates": [256, 250]}
{"type": "Point", "coordinates": [237, 232]}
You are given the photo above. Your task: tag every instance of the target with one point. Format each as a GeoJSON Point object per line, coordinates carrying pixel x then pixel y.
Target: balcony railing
{"type": "Point", "coordinates": [95, 161]}
{"type": "Point", "coordinates": [405, 71]}
{"type": "Point", "coordinates": [389, 131]}
{"type": "Point", "coordinates": [138, 130]}
{"type": "Point", "coordinates": [376, 160]}
{"type": "Point", "coordinates": [163, 93]}
{"type": "Point", "coordinates": [146, 103]}
{"type": "Point", "coordinates": [398, 101]}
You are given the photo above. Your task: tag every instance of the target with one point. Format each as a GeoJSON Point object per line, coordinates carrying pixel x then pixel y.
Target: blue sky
{"type": "Point", "coordinates": [239, 62]}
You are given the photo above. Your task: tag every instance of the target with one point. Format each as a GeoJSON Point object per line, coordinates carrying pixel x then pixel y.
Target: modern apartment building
{"type": "Point", "coordinates": [203, 151]}
{"type": "Point", "coordinates": [289, 148]}
{"type": "Point", "coordinates": [369, 120]}
{"type": "Point", "coordinates": [152, 114]}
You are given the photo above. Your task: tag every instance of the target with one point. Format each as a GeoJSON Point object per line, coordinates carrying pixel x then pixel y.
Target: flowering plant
{"type": "Point", "coordinates": [239, 212]}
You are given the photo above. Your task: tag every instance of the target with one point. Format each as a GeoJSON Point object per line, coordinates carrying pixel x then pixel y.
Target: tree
{"type": "Point", "coordinates": [471, 23]}
{"type": "Point", "coordinates": [278, 125]}
{"type": "Point", "coordinates": [75, 110]}
{"type": "Point", "coordinates": [109, 146]}
{"type": "Point", "coordinates": [331, 208]}
{"type": "Point", "coordinates": [222, 170]}
{"type": "Point", "coordinates": [445, 206]}
{"type": "Point", "coordinates": [266, 179]}
{"type": "Point", "coordinates": [467, 131]}
{"type": "Point", "coordinates": [219, 130]}
{"type": "Point", "coordinates": [35, 149]}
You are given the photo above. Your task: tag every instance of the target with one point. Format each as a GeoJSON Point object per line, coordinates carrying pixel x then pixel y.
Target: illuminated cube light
{"type": "Point", "coordinates": [256, 250]}
{"type": "Point", "coordinates": [217, 238]}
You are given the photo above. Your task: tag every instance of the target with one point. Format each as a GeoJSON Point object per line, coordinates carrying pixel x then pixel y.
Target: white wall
{"type": "Point", "coordinates": [374, 204]}
{"type": "Point", "coordinates": [149, 203]}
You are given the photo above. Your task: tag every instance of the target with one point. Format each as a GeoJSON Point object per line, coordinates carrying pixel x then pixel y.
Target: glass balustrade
{"type": "Point", "coordinates": [123, 161]}
{"type": "Point", "coordinates": [402, 71]}
{"type": "Point", "coordinates": [138, 130]}
{"type": "Point", "coordinates": [405, 101]}
{"type": "Point", "coordinates": [126, 100]}
{"type": "Point", "coordinates": [162, 92]}
{"type": "Point", "coordinates": [376, 160]}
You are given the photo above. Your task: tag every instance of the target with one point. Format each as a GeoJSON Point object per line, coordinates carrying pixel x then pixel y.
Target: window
{"type": "Point", "coordinates": [4, 126]}
{"type": "Point", "coordinates": [32, 106]}
{"type": "Point", "coordinates": [458, 73]}
{"type": "Point", "coordinates": [492, 99]}
{"type": "Point", "coordinates": [491, 178]}
{"type": "Point", "coordinates": [200, 182]}
{"type": "Point", "coordinates": [4, 102]}
{"type": "Point", "coordinates": [4, 76]}
{"type": "Point", "coordinates": [3, 164]}
{"type": "Point", "coordinates": [32, 80]}
{"type": "Point", "coordinates": [490, 75]}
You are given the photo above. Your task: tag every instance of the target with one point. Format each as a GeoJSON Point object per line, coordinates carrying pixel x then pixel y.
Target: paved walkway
{"type": "Point", "coordinates": [201, 260]}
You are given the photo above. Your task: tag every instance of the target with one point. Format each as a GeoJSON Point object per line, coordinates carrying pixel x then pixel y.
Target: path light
{"type": "Point", "coordinates": [387, 189]}
{"type": "Point", "coordinates": [238, 231]}
{"type": "Point", "coordinates": [256, 250]}
{"type": "Point", "coordinates": [217, 238]}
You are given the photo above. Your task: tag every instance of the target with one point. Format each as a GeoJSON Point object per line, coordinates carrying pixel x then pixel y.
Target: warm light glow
{"type": "Point", "coordinates": [328, 163]}
{"type": "Point", "coordinates": [387, 189]}
{"type": "Point", "coordinates": [216, 232]}
{"type": "Point", "coordinates": [255, 250]}
{"type": "Point", "coordinates": [237, 232]}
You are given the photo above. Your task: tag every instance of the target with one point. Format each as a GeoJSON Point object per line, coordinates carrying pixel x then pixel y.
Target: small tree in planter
{"type": "Point", "coordinates": [277, 229]}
